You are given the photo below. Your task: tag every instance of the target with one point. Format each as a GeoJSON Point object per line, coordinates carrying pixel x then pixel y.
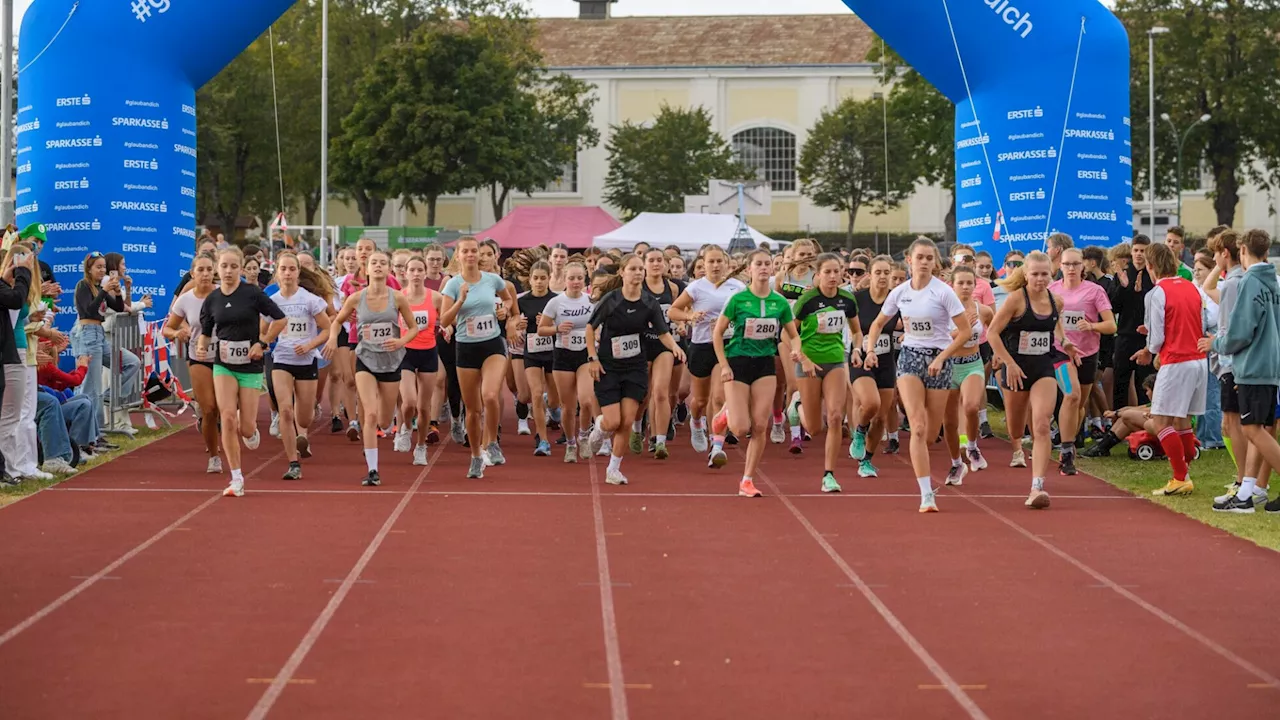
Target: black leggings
{"type": "Point", "coordinates": [449, 359]}
{"type": "Point", "coordinates": [1126, 346]}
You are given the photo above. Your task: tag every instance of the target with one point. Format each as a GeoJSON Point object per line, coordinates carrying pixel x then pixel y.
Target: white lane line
{"type": "Point", "coordinates": [608, 616]}
{"type": "Point", "coordinates": [282, 678]}
{"type": "Point", "coordinates": [1127, 594]}
{"type": "Point", "coordinates": [944, 678]}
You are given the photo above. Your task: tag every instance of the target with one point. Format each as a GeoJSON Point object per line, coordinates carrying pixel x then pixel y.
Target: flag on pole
{"type": "Point", "coordinates": [995, 234]}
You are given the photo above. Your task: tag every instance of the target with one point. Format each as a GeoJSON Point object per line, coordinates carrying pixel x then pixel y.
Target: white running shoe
{"type": "Point", "coordinates": [522, 427]}
{"type": "Point", "coordinates": [420, 454]}
{"type": "Point", "coordinates": [1019, 459]}
{"type": "Point", "coordinates": [403, 441]}
{"type": "Point", "coordinates": [235, 489]}
{"type": "Point", "coordinates": [698, 437]}
{"type": "Point", "coordinates": [777, 434]}
{"type": "Point", "coordinates": [615, 477]}
{"type": "Point", "coordinates": [275, 425]}
{"type": "Point", "coordinates": [606, 449]}
{"type": "Point", "coordinates": [717, 458]}
{"type": "Point", "coordinates": [215, 465]}
{"type": "Point", "coordinates": [58, 466]}
{"type": "Point", "coordinates": [956, 475]}
{"type": "Point", "coordinates": [253, 442]}
{"type": "Point", "coordinates": [976, 461]}
{"type": "Point", "coordinates": [928, 504]}
{"type": "Point", "coordinates": [595, 441]}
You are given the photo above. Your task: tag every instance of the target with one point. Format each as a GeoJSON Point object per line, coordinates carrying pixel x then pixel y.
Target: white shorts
{"type": "Point", "coordinates": [1180, 389]}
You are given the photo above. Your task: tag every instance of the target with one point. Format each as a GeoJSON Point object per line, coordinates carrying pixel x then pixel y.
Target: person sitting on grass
{"type": "Point", "coordinates": [1124, 422]}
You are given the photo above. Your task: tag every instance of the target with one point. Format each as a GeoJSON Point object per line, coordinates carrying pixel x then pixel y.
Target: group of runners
{"type": "Point", "coordinates": [616, 352]}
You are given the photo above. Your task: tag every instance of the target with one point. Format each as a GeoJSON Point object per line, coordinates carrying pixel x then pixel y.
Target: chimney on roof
{"type": "Point", "coordinates": [595, 9]}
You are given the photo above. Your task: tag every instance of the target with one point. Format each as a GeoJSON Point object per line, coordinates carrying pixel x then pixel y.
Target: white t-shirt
{"type": "Point", "coordinates": [562, 309]}
{"type": "Point", "coordinates": [926, 314]}
{"type": "Point", "coordinates": [187, 307]}
{"type": "Point", "coordinates": [711, 299]}
{"type": "Point", "coordinates": [300, 327]}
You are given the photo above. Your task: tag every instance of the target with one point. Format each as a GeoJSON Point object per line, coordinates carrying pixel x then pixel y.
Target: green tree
{"type": "Point", "coordinates": [653, 167]}
{"type": "Point", "coordinates": [1219, 58]}
{"type": "Point", "coordinates": [842, 165]}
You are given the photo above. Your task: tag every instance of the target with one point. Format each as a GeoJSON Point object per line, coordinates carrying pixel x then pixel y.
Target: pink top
{"type": "Point", "coordinates": [1086, 302]}
{"type": "Point", "coordinates": [983, 296]}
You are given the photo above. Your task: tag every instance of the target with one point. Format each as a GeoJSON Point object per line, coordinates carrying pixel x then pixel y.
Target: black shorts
{"type": "Point", "coordinates": [299, 372]}
{"type": "Point", "coordinates": [653, 347]}
{"type": "Point", "coordinates": [343, 340]}
{"type": "Point", "coordinates": [986, 352]}
{"type": "Point", "coordinates": [191, 363]}
{"type": "Point", "coordinates": [702, 359]}
{"type": "Point", "coordinates": [1229, 394]}
{"type": "Point", "coordinates": [568, 360]}
{"type": "Point", "coordinates": [748, 370]}
{"type": "Point", "coordinates": [615, 385]}
{"type": "Point", "coordinates": [421, 361]}
{"type": "Point", "coordinates": [386, 377]}
{"type": "Point", "coordinates": [471, 355]}
{"type": "Point", "coordinates": [885, 373]}
{"type": "Point", "coordinates": [1257, 404]}
{"type": "Point", "coordinates": [1088, 372]}
{"type": "Point", "coordinates": [540, 361]}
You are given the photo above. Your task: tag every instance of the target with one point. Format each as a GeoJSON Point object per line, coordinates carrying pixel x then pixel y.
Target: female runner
{"type": "Point", "coordinates": [559, 259]}
{"type": "Point", "coordinates": [354, 283]}
{"type": "Point", "coordinates": [420, 366]}
{"type": "Point", "coordinates": [701, 304]}
{"type": "Point", "coordinates": [924, 364]}
{"type": "Point", "coordinates": [873, 383]}
{"type": "Point", "coordinates": [565, 318]}
{"type": "Point", "coordinates": [823, 313]}
{"type": "Point", "coordinates": [342, 366]}
{"type": "Point", "coordinates": [252, 271]}
{"type": "Point", "coordinates": [1022, 336]}
{"type": "Point", "coordinates": [481, 354]}
{"type": "Point", "coordinates": [753, 319]}
{"type": "Point", "coordinates": [233, 310]}
{"type": "Point", "coordinates": [304, 297]}
{"type": "Point", "coordinates": [447, 391]}
{"type": "Point", "coordinates": [968, 381]}
{"type": "Point", "coordinates": [795, 278]}
{"type": "Point", "coordinates": [183, 326]}
{"type": "Point", "coordinates": [379, 311]}
{"type": "Point", "coordinates": [664, 367]}
{"type": "Point", "coordinates": [538, 353]}
{"type": "Point", "coordinates": [621, 320]}
{"type": "Point", "coordinates": [1086, 317]}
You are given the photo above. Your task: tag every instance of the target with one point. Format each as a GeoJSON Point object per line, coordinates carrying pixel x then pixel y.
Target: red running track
{"type": "Point", "coordinates": [539, 592]}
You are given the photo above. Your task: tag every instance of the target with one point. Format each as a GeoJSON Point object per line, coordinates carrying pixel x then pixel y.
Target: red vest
{"type": "Point", "coordinates": [1183, 321]}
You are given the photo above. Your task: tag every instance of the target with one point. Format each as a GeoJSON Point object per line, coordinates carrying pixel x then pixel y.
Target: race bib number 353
{"type": "Point", "coordinates": [918, 328]}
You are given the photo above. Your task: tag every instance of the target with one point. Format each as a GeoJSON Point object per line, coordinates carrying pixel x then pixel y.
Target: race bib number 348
{"type": "Point", "coordinates": [1033, 343]}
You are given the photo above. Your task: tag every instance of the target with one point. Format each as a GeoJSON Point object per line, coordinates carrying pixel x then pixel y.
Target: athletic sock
{"type": "Point", "coordinates": [1246, 488]}
{"type": "Point", "coordinates": [982, 415]}
{"type": "Point", "coordinates": [522, 410]}
{"type": "Point", "coordinates": [1037, 484]}
{"type": "Point", "coordinates": [237, 475]}
{"type": "Point", "coordinates": [956, 462]}
{"type": "Point", "coordinates": [777, 417]}
{"type": "Point", "coordinates": [868, 456]}
{"type": "Point", "coordinates": [893, 435]}
{"type": "Point", "coordinates": [1172, 445]}
{"type": "Point", "coordinates": [659, 439]}
{"type": "Point", "coordinates": [926, 484]}
{"type": "Point", "coordinates": [973, 443]}
{"type": "Point", "coordinates": [863, 429]}
{"type": "Point", "coordinates": [717, 441]}
{"type": "Point", "coordinates": [795, 432]}
{"type": "Point", "coordinates": [698, 423]}
{"type": "Point", "coordinates": [637, 426]}
{"type": "Point", "coordinates": [1068, 449]}
{"type": "Point", "coordinates": [1188, 437]}
{"type": "Point", "coordinates": [615, 463]}
{"type": "Point", "coordinates": [371, 459]}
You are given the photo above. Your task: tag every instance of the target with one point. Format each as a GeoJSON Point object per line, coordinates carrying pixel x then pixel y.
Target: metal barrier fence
{"type": "Point", "coordinates": [124, 394]}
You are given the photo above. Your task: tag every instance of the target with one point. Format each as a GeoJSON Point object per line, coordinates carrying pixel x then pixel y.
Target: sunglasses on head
{"type": "Point", "coordinates": [95, 255]}
{"type": "Point", "coordinates": [1014, 263]}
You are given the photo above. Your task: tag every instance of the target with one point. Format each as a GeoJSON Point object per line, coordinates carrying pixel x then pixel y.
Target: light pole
{"type": "Point", "coordinates": [1182, 141]}
{"type": "Point", "coordinates": [884, 103]}
{"type": "Point", "coordinates": [6, 115]}
{"type": "Point", "coordinates": [1151, 124]}
{"type": "Point", "coordinates": [324, 135]}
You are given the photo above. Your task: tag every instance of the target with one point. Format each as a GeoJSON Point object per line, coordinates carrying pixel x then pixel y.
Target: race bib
{"type": "Point", "coordinates": [625, 346]}
{"type": "Point", "coordinates": [920, 329]}
{"type": "Point", "coordinates": [762, 328]}
{"type": "Point", "coordinates": [234, 352]}
{"type": "Point", "coordinates": [884, 344]}
{"type": "Point", "coordinates": [378, 332]}
{"type": "Point", "coordinates": [666, 313]}
{"type": "Point", "coordinates": [210, 352]}
{"type": "Point", "coordinates": [1070, 318]}
{"type": "Point", "coordinates": [481, 326]}
{"type": "Point", "coordinates": [728, 332]}
{"type": "Point", "coordinates": [1034, 343]}
{"type": "Point", "coordinates": [897, 339]}
{"type": "Point", "coordinates": [576, 340]}
{"type": "Point", "coordinates": [973, 338]}
{"type": "Point", "coordinates": [539, 343]}
{"type": "Point", "coordinates": [297, 329]}
{"type": "Point", "coordinates": [422, 319]}
{"type": "Point", "coordinates": [831, 323]}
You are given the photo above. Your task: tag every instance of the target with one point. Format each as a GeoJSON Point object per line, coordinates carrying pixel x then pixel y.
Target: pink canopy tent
{"type": "Point", "coordinates": [529, 226]}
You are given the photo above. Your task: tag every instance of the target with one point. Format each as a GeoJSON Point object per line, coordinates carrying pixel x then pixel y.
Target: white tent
{"type": "Point", "coordinates": [689, 231]}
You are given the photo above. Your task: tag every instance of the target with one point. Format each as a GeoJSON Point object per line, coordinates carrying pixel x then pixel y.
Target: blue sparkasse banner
{"type": "Point", "coordinates": [1042, 113]}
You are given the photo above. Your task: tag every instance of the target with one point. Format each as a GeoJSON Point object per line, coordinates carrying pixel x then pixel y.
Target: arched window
{"type": "Point", "coordinates": [772, 151]}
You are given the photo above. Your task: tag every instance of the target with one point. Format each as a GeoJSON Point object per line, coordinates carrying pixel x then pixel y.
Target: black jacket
{"type": "Point", "coordinates": [1129, 302]}
{"type": "Point", "coordinates": [12, 297]}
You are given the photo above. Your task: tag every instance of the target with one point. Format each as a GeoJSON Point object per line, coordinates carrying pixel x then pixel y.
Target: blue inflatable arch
{"type": "Point", "coordinates": [1041, 89]}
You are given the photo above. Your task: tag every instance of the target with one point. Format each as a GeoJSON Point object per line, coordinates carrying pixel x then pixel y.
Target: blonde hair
{"type": "Point", "coordinates": [1018, 278]}
{"type": "Point", "coordinates": [33, 290]}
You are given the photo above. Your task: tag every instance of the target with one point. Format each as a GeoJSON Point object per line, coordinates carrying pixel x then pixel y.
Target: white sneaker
{"type": "Point", "coordinates": [215, 465]}
{"type": "Point", "coordinates": [595, 441]}
{"type": "Point", "coordinates": [420, 454]}
{"type": "Point", "coordinates": [275, 425]}
{"type": "Point", "coordinates": [956, 475]}
{"type": "Point", "coordinates": [253, 442]}
{"type": "Point", "coordinates": [522, 427]}
{"type": "Point", "coordinates": [235, 489]}
{"type": "Point", "coordinates": [606, 448]}
{"type": "Point", "coordinates": [403, 441]}
{"type": "Point", "coordinates": [1259, 497]}
{"type": "Point", "coordinates": [615, 477]}
{"type": "Point", "coordinates": [928, 504]}
{"type": "Point", "coordinates": [58, 466]}
{"type": "Point", "coordinates": [38, 474]}
{"type": "Point", "coordinates": [698, 437]}
{"type": "Point", "coordinates": [1019, 459]}
{"type": "Point", "coordinates": [777, 434]}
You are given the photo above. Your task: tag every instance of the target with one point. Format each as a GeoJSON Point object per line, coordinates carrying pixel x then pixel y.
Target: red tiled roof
{"type": "Point", "coordinates": [702, 41]}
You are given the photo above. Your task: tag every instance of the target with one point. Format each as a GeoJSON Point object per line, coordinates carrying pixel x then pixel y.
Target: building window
{"type": "Point", "coordinates": [567, 183]}
{"type": "Point", "coordinates": [772, 151]}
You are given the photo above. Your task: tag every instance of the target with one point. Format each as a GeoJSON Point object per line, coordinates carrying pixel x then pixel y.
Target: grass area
{"type": "Point", "coordinates": [145, 436]}
{"type": "Point", "coordinates": [1213, 470]}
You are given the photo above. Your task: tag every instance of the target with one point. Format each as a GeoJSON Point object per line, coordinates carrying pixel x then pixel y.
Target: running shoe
{"type": "Point", "coordinates": [353, 431]}
{"type": "Point", "coordinates": [682, 413]}
{"type": "Point", "coordinates": [476, 471]}
{"type": "Point", "coordinates": [235, 489]}
{"type": "Point", "coordinates": [777, 433]}
{"type": "Point", "coordinates": [698, 438]}
{"type": "Point", "coordinates": [976, 461]}
{"type": "Point", "coordinates": [1176, 487]}
{"type": "Point", "coordinates": [928, 503]}
{"type": "Point", "coordinates": [294, 472]}
{"type": "Point", "coordinates": [797, 446]}
{"type": "Point", "coordinates": [372, 479]}
{"type": "Point", "coordinates": [615, 477]}
{"type": "Point", "coordinates": [671, 428]}
{"type": "Point", "coordinates": [595, 440]}
{"type": "Point", "coordinates": [7, 480]}
{"type": "Point", "coordinates": [866, 469]}
{"type": "Point", "coordinates": [891, 447]}
{"type": "Point", "coordinates": [660, 451]}
{"type": "Point", "coordinates": [829, 484]}
{"type": "Point", "coordinates": [420, 454]}
{"type": "Point", "coordinates": [731, 439]}
{"type": "Point", "coordinates": [493, 455]}
{"type": "Point", "coordinates": [584, 445]}
{"type": "Point", "coordinates": [747, 489]}
{"type": "Point", "coordinates": [717, 458]}
{"type": "Point", "coordinates": [102, 444]}
{"type": "Point", "coordinates": [1259, 496]}
{"type": "Point", "coordinates": [636, 443]}
{"type": "Point", "coordinates": [522, 427]}
{"type": "Point", "coordinates": [1067, 464]}
{"type": "Point", "coordinates": [606, 449]}
{"type": "Point", "coordinates": [274, 430]}
{"type": "Point", "coordinates": [304, 446]}
{"type": "Point", "coordinates": [1038, 500]}
{"type": "Point", "coordinates": [955, 476]}
{"type": "Point", "coordinates": [1234, 504]}
{"type": "Point", "coordinates": [457, 433]}
{"type": "Point", "coordinates": [433, 433]}
{"type": "Point", "coordinates": [1019, 459]}
{"type": "Point", "coordinates": [214, 466]}
{"type": "Point", "coordinates": [571, 453]}
{"type": "Point", "coordinates": [39, 474]}
{"type": "Point", "coordinates": [57, 466]}
{"type": "Point", "coordinates": [543, 449]}
{"type": "Point", "coordinates": [252, 442]}
{"type": "Point", "coordinates": [793, 411]}
{"type": "Point", "coordinates": [858, 445]}
{"type": "Point", "coordinates": [1273, 506]}
{"type": "Point", "coordinates": [985, 431]}
{"type": "Point", "coordinates": [404, 439]}
{"type": "Point", "coordinates": [335, 424]}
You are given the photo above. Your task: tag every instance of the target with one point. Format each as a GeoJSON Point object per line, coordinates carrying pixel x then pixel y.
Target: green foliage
{"type": "Point", "coordinates": [842, 163]}
{"type": "Point", "coordinates": [1219, 58]}
{"type": "Point", "coordinates": [652, 167]}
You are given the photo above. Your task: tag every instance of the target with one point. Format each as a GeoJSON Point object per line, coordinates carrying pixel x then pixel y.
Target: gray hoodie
{"type": "Point", "coordinates": [1253, 335]}
{"type": "Point", "coordinates": [1228, 291]}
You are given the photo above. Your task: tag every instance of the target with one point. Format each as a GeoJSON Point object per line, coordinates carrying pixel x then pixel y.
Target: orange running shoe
{"type": "Point", "coordinates": [748, 489]}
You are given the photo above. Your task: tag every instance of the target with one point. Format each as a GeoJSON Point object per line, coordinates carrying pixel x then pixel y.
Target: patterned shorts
{"type": "Point", "coordinates": [915, 361]}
